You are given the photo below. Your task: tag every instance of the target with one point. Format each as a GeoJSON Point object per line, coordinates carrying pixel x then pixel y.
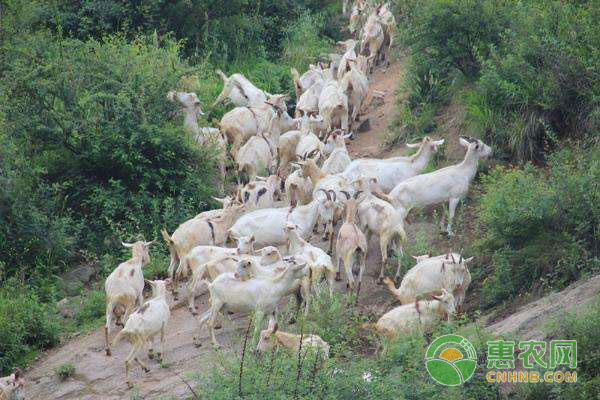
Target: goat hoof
{"type": "Point", "coordinates": [292, 321]}
{"type": "Point", "coordinates": [151, 355]}
{"type": "Point", "coordinates": [146, 370]}
{"type": "Point", "coordinates": [230, 313]}
{"type": "Point", "coordinates": [108, 352]}
{"type": "Point", "coordinates": [380, 281]}
{"type": "Point", "coordinates": [338, 277]}
{"type": "Point", "coordinates": [218, 326]}
{"type": "Point", "coordinates": [129, 385]}
{"type": "Point", "coordinates": [193, 311]}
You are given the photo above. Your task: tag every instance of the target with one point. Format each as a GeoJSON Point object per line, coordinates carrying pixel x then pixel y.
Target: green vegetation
{"type": "Point", "coordinates": [353, 370]}
{"type": "Point", "coordinates": [526, 72]}
{"type": "Point", "coordinates": [65, 371]}
{"type": "Point", "coordinates": [538, 228]}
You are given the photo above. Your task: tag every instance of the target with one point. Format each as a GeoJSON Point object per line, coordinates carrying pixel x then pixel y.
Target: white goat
{"type": "Point", "coordinates": [258, 154]}
{"type": "Point", "coordinates": [338, 159]}
{"type": "Point", "coordinates": [198, 231]}
{"type": "Point", "coordinates": [269, 256]}
{"type": "Point", "coordinates": [377, 216]}
{"type": "Point", "coordinates": [124, 287]}
{"type": "Point", "coordinates": [202, 254]}
{"type": "Point", "coordinates": [144, 324]}
{"type": "Point", "coordinates": [202, 136]}
{"type": "Point", "coordinates": [388, 23]}
{"type": "Point", "coordinates": [261, 295]}
{"type": "Point", "coordinates": [333, 105]}
{"type": "Point", "coordinates": [308, 102]}
{"type": "Point", "coordinates": [273, 337]}
{"type": "Point", "coordinates": [309, 78]}
{"type": "Point", "coordinates": [391, 171]}
{"type": "Point", "coordinates": [408, 317]}
{"type": "Point", "coordinates": [432, 274]}
{"type": "Point", "coordinates": [351, 244]}
{"type": "Point", "coordinates": [347, 59]}
{"type": "Point", "coordinates": [241, 123]}
{"type": "Point", "coordinates": [447, 184]}
{"type": "Point", "coordinates": [299, 187]}
{"type": "Point", "coordinates": [267, 225]}
{"type": "Point", "coordinates": [261, 193]}
{"type": "Point", "coordinates": [240, 91]}
{"type": "Point", "coordinates": [356, 86]}
{"type": "Point", "coordinates": [318, 261]}
{"type": "Point", "coordinates": [372, 39]}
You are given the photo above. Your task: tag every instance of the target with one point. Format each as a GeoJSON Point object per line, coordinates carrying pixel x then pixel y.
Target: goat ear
{"type": "Point", "coordinates": [438, 142]}
{"type": "Point", "coordinates": [413, 145]}
{"type": "Point", "coordinates": [149, 282]}
{"type": "Point", "coordinates": [168, 281]}
{"type": "Point", "coordinates": [128, 245]}
{"type": "Point", "coordinates": [468, 260]}
{"type": "Point", "coordinates": [252, 238]}
{"type": "Point", "coordinates": [150, 243]}
{"type": "Point", "coordinates": [275, 327]}
{"type": "Point", "coordinates": [415, 257]}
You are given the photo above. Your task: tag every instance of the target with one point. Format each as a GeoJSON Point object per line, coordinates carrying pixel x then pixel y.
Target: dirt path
{"type": "Point", "coordinates": [98, 377]}
{"type": "Point", "coordinates": [379, 109]}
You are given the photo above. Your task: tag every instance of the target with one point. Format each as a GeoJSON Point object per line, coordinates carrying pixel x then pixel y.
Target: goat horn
{"type": "Point", "coordinates": [346, 194]}
{"type": "Point", "coordinates": [453, 261]}
{"type": "Point", "coordinates": [461, 258]}
{"type": "Point", "coordinates": [333, 194]}
{"type": "Point", "coordinates": [447, 256]}
{"type": "Point", "coordinates": [443, 267]}
{"type": "Point", "coordinates": [357, 194]}
{"type": "Point", "coordinates": [326, 193]}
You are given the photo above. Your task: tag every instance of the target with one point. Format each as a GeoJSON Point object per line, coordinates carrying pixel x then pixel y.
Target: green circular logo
{"type": "Point", "coordinates": [451, 360]}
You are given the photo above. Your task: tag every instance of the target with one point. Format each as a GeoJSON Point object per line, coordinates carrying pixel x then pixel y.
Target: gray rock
{"type": "Point", "coordinates": [82, 273]}
{"type": "Point", "coordinates": [75, 280]}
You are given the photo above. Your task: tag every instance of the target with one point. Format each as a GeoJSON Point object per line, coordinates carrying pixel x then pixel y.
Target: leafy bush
{"type": "Point", "coordinates": [456, 33]}
{"type": "Point", "coordinates": [540, 84]}
{"type": "Point", "coordinates": [65, 371]}
{"type": "Point", "coordinates": [539, 228]}
{"type": "Point", "coordinates": [228, 31]}
{"type": "Point", "coordinates": [102, 133]}
{"type": "Point", "coordinates": [26, 325]}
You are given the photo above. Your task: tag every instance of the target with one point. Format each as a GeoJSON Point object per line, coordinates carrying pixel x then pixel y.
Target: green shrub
{"type": "Point", "coordinates": [26, 325]}
{"type": "Point", "coordinates": [104, 135]}
{"type": "Point", "coordinates": [539, 84]}
{"type": "Point", "coordinates": [65, 371]}
{"type": "Point", "coordinates": [456, 33]}
{"type": "Point", "coordinates": [539, 229]}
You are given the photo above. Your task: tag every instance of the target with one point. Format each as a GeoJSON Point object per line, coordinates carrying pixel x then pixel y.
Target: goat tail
{"type": "Point", "coordinates": [296, 76]}
{"type": "Point", "coordinates": [222, 75]}
{"type": "Point", "coordinates": [379, 193]}
{"type": "Point", "coordinates": [390, 284]}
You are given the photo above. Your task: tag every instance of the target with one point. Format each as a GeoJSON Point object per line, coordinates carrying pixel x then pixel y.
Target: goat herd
{"type": "Point", "coordinates": [270, 216]}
